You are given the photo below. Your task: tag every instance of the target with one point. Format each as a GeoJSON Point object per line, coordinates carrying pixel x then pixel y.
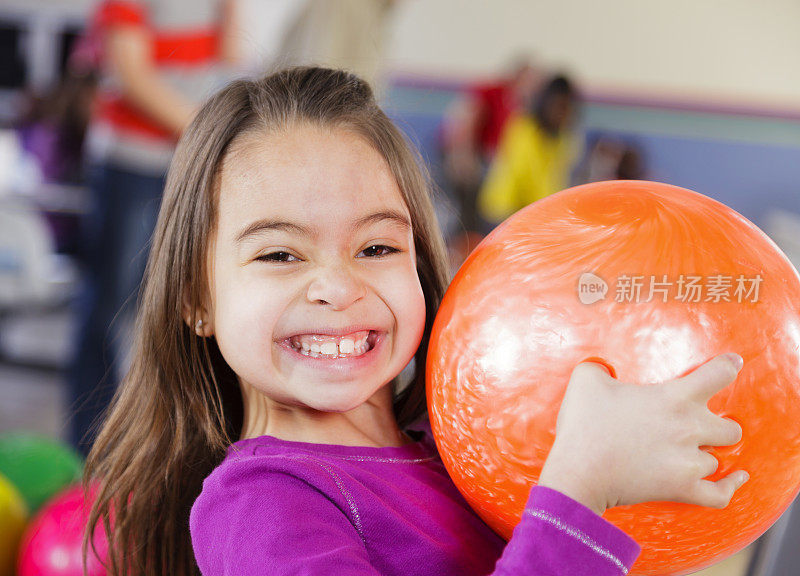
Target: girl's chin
{"type": "Point", "coordinates": [342, 402]}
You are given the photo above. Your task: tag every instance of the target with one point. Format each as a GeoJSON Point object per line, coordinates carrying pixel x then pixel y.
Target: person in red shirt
{"type": "Point", "coordinates": [494, 103]}
{"type": "Point", "coordinates": [157, 60]}
{"type": "Point", "coordinates": [470, 134]}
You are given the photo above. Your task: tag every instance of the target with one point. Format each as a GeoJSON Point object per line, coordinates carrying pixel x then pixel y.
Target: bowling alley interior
{"type": "Point", "coordinates": [593, 203]}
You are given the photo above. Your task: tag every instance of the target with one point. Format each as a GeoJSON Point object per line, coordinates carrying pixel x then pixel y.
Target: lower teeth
{"type": "Point", "coordinates": [312, 354]}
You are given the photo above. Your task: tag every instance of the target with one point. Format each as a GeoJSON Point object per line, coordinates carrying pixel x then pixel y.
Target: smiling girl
{"type": "Point", "coordinates": [295, 272]}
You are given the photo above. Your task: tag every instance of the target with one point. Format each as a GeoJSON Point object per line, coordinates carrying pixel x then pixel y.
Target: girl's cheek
{"type": "Point", "coordinates": [418, 311]}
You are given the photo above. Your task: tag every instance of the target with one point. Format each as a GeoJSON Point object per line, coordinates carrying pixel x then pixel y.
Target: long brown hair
{"type": "Point", "coordinates": [179, 406]}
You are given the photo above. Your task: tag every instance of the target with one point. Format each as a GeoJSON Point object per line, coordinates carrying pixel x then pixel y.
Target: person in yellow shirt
{"type": "Point", "coordinates": [535, 154]}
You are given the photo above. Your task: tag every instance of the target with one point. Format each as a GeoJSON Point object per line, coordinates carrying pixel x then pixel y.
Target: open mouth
{"type": "Point", "coordinates": [329, 347]}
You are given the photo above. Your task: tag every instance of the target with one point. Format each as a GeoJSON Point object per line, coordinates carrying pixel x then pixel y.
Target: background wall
{"type": "Point", "coordinates": [730, 50]}
{"type": "Point", "coordinates": [733, 50]}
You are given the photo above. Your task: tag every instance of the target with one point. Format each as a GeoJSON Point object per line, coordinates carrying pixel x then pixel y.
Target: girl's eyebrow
{"type": "Point", "coordinates": [266, 224]}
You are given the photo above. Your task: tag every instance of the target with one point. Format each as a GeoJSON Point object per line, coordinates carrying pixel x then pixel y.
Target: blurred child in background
{"type": "Point", "coordinates": [535, 154]}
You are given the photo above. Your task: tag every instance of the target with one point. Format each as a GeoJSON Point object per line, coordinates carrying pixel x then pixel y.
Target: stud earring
{"type": "Point", "coordinates": [198, 327]}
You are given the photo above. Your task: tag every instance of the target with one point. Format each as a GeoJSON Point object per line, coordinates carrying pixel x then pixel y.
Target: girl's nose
{"type": "Point", "coordinates": [337, 286]}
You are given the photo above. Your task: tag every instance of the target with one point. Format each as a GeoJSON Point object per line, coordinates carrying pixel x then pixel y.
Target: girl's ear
{"type": "Point", "coordinates": [203, 326]}
{"type": "Point", "coordinates": [198, 319]}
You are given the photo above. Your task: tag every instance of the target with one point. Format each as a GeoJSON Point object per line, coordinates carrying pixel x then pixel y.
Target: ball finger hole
{"type": "Point", "coordinates": [604, 363]}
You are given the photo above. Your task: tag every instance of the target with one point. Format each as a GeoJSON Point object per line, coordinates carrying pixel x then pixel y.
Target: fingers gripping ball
{"type": "Point", "coordinates": [652, 280]}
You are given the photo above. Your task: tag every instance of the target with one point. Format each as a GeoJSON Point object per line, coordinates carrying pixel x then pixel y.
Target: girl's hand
{"type": "Point", "coordinates": [619, 443]}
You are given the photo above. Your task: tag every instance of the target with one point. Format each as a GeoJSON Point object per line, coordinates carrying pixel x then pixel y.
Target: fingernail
{"type": "Point", "coordinates": [744, 477]}
{"type": "Point", "coordinates": [737, 360]}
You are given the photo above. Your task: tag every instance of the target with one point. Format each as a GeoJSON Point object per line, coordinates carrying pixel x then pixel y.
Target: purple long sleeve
{"type": "Point", "coordinates": [279, 507]}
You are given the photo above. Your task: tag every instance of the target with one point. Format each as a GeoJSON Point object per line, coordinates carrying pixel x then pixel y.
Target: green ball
{"type": "Point", "coordinates": [39, 467]}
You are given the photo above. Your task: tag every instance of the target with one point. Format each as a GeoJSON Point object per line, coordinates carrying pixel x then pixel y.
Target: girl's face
{"type": "Point", "coordinates": [315, 297]}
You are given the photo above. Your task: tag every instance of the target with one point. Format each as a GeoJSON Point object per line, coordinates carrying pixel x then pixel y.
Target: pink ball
{"type": "Point", "coordinates": [52, 543]}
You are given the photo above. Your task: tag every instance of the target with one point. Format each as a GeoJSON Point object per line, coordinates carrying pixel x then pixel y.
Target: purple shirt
{"type": "Point", "coordinates": [279, 507]}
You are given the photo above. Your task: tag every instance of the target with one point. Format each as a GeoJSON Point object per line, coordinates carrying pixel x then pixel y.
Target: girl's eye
{"type": "Point", "coordinates": [277, 257]}
{"type": "Point", "coordinates": [378, 250]}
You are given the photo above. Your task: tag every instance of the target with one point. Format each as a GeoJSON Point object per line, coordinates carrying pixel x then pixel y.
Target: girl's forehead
{"type": "Point", "coordinates": [306, 172]}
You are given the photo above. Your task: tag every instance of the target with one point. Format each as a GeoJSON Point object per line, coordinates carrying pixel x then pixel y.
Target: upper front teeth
{"type": "Point", "coordinates": [312, 345]}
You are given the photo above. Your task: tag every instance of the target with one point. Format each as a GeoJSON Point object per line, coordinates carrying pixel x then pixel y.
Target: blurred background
{"type": "Point", "coordinates": [508, 101]}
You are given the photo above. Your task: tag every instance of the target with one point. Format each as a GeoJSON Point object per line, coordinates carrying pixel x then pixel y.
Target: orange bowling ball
{"type": "Point", "coordinates": [653, 280]}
